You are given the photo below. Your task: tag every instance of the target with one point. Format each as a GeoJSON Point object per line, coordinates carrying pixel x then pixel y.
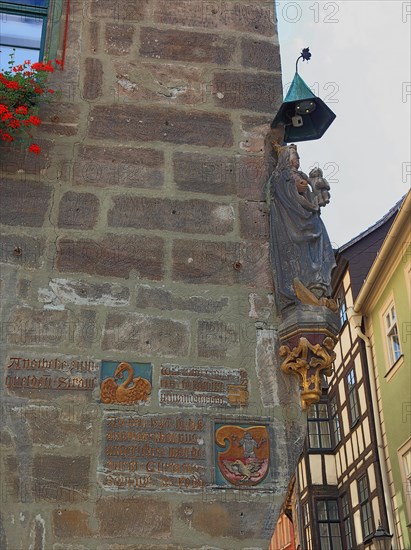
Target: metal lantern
{"type": "Point", "coordinates": [382, 539]}
{"type": "Point", "coordinates": [304, 116]}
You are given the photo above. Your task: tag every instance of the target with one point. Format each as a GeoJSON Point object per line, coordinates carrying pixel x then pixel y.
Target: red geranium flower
{"type": "Point", "coordinates": [12, 85]}
{"type": "Point", "coordinates": [14, 123]}
{"type": "Point", "coordinates": [33, 120]}
{"type": "Point", "coordinates": [34, 148]}
{"type": "Point", "coordinates": [22, 110]}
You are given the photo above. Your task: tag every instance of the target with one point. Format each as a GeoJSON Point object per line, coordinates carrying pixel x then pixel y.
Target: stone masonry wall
{"type": "Point", "coordinates": [140, 234]}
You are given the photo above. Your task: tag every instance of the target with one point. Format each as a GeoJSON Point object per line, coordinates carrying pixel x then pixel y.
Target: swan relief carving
{"type": "Point", "coordinates": [113, 392]}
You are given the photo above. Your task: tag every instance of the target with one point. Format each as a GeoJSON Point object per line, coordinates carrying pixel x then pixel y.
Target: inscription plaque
{"type": "Point", "coordinates": [202, 387]}
{"type": "Point", "coordinates": [62, 374]}
{"type": "Point", "coordinates": [151, 451]}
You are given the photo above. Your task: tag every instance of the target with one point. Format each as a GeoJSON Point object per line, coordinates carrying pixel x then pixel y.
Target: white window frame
{"type": "Point", "coordinates": [390, 331]}
{"type": "Point", "coordinates": [404, 459]}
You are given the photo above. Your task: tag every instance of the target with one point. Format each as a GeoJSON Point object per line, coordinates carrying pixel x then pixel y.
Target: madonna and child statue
{"type": "Point", "coordinates": [301, 252]}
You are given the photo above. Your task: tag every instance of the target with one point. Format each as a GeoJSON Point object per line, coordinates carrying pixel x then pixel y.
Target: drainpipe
{"type": "Point", "coordinates": [355, 319]}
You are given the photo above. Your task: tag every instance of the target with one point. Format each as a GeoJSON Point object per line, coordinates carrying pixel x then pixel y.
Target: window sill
{"type": "Point", "coordinates": [394, 368]}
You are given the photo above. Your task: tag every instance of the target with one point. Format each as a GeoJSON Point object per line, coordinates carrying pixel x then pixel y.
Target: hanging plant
{"type": "Point", "coordinates": [22, 89]}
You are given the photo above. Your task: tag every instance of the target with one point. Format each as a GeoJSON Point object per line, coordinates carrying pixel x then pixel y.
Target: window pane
{"type": "Point", "coordinates": [348, 537]}
{"type": "Point", "coordinates": [322, 510]}
{"type": "Point", "coordinates": [325, 441]}
{"type": "Point", "coordinates": [363, 486]}
{"type": "Point", "coordinates": [322, 410]}
{"type": "Point", "coordinates": [37, 3]}
{"type": "Point", "coordinates": [332, 510]}
{"type": "Point", "coordinates": [344, 505]}
{"type": "Point", "coordinates": [312, 411]}
{"type": "Point", "coordinates": [388, 321]}
{"type": "Point", "coordinates": [20, 55]}
{"type": "Point", "coordinates": [396, 344]}
{"type": "Point", "coordinates": [337, 430]}
{"type": "Point", "coordinates": [324, 537]}
{"type": "Point", "coordinates": [353, 406]}
{"type": "Point", "coordinates": [21, 30]}
{"type": "Point", "coordinates": [313, 435]}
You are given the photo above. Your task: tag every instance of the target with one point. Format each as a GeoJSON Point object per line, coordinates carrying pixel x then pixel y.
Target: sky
{"type": "Point", "coordinates": [360, 67]}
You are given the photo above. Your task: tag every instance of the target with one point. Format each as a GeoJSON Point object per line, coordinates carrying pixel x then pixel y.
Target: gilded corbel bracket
{"type": "Point", "coordinates": [308, 362]}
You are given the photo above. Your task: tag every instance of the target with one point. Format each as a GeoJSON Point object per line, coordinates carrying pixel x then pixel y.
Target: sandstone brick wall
{"type": "Point", "coordinates": [141, 234]}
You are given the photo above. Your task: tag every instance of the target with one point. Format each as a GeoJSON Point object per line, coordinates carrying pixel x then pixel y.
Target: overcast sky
{"type": "Point", "coordinates": [360, 67]}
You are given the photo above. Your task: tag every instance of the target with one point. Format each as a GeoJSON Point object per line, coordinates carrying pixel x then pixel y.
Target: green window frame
{"type": "Point", "coordinates": [17, 15]}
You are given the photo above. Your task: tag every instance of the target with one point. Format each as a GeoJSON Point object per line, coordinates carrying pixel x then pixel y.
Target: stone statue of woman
{"type": "Point", "coordinates": [301, 253]}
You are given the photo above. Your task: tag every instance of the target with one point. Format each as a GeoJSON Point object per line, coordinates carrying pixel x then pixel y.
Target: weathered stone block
{"type": "Point", "coordinates": [122, 10]}
{"type": "Point", "coordinates": [189, 216]}
{"type": "Point", "coordinates": [60, 118]}
{"type": "Point", "coordinates": [262, 55]}
{"type": "Point", "coordinates": [30, 327]}
{"type": "Point", "coordinates": [71, 523]}
{"type": "Point", "coordinates": [93, 80]}
{"type": "Point", "coordinates": [168, 83]}
{"type": "Point", "coordinates": [126, 166]}
{"type": "Point", "coordinates": [18, 160]}
{"type": "Point", "coordinates": [222, 263]}
{"type": "Point", "coordinates": [64, 291]}
{"type": "Point", "coordinates": [114, 255]}
{"type": "Point", "coordinates": [239, 520]}
{"type": "Point", "coordinates": [186, 46]}
{"type": "Point", "coordinates": [78, 210]}
{"type": "Point", "coordinates": [240, 175]}
{"type": "Point", "coordinates": [146, 335]}
{"type": "Point", "coordinates": [93, 33]}
{"type": "Point", "coordinates": [254, 129]}
{"type": "Point", "coordinates": [140, 517]}
{"type": "Point", "coordinates": [86, 331]}
{"type": "Point", "coordinates": [217, 340]}
{"type": "Point", "coordinates": [61, 478]}
{"type": "Point", "coordinates": [254, 221]}
{"type": "Point", "coordinates": [252, 91]}
{"type": "Point", "coordinates": [159, 298]}
{"type": "Point", "coordinates": [21, 250]}
{"type": "Point", "coordinates": [118, 39]}
{"type": "Point", "coordinates": [23, 203]}
{"type": "Point", "coordinates": [58, 426]}
{"type": "Point", "coordinates": [13, 486]}
{"type": "Point", "coordinates": [132, 122]}
{"type": "Point", "coordinates": [257, 18]}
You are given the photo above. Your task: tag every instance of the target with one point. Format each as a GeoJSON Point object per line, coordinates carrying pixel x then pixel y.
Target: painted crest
{"type": "Point", "coordinates": [245, 459]}
{"type": "Point", "coordinates": [129, 383]}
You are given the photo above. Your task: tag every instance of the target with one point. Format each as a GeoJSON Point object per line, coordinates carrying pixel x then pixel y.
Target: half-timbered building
{"type": "Point", "coordinates": [340, 486]}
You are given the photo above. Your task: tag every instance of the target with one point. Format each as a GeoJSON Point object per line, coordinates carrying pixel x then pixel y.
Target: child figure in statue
{"type": "Point", "coordinates": [320, 186]}
{"type": "Point", "coordinates": [301, 252]}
